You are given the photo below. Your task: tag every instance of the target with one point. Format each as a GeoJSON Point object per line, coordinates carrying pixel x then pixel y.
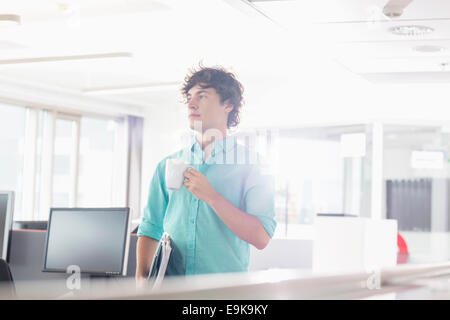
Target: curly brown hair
{"type": "Point", "coordinates": [224, 82]}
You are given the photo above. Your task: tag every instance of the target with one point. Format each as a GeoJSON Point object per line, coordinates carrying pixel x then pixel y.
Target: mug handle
{"type": "Point", "coordinates": [187, 169]}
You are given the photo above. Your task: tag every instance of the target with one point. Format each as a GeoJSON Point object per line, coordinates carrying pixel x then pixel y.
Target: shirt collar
{"type": "Point", "coordinates": [222, 145]}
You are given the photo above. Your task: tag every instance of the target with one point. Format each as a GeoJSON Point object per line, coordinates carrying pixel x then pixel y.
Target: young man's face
{"type": "Point", "coordinates": [204, 106]}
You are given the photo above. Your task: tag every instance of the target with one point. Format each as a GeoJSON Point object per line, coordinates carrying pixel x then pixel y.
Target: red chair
{"type": "Point", "coordinates": [402, 254]}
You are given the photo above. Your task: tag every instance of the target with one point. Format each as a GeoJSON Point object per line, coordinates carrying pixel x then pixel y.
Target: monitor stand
{"type": "Point", "coordinates": [104, 276]}
{"type": "Point", "coordinates": [104, 279]}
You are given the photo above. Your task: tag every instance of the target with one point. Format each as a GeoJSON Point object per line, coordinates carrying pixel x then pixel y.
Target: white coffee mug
{"type": "Point", "coordinates": [175, 169]}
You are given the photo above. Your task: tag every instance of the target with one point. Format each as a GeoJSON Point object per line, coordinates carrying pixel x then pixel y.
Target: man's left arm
{"type": "Point", "coordinates": [246, 226]}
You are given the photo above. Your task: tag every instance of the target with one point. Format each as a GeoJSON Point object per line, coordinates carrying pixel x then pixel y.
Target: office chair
{"type": "Point", "coordinates": [7, 287]}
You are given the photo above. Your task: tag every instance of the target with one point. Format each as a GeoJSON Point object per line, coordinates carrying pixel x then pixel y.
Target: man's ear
{"type": "Point", "coordinates": [228, 107]}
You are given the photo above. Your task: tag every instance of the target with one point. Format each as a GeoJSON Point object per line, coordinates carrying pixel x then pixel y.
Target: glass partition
{"type": "Point", "coordinates": [416, 188]}
{"type": "Point", "coordinates": [318, 170]}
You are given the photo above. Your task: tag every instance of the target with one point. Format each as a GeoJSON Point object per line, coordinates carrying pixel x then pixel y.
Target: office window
{"type": "Point", "coordinates": [101, 162]}
{"type": "Point", "coordinates": [12, 134]}
{"type": "Point", "coordinates": [44, 166]}
{"type": "Point", "coordinates": [311, 178]}
{"type": "Point", "coordinates": [318, 170]}
{"type": "Point", "coordinates": [65, 161]}
{"type": "Point", "coordinates": [52, 159]}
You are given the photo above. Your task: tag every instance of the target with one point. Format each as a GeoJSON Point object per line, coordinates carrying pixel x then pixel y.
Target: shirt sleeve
{"type": "Point", "coordinates": [260, 198]}
{"type": "Point", "coordinates": [152, 221]}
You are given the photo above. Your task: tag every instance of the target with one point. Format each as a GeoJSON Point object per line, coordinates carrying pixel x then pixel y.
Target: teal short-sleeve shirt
{"type": "Point", "coordinates": [201, 241]}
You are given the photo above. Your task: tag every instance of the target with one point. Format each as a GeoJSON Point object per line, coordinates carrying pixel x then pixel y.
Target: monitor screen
{"type": "Point", "coordinates": [94, 240]}
{"type": "Point", "coordinates": [6, 204]}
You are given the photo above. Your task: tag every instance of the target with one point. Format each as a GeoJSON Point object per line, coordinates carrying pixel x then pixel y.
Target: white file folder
{"type": "Point", "coordinates": [160, 261]}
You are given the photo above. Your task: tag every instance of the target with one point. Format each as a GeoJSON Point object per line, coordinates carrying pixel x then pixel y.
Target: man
{"type": "Point", "coordinates": [225, 204]}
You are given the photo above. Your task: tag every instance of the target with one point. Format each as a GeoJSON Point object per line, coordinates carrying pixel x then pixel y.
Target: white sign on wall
{"type": "Point", "coordinates": [427, 159]}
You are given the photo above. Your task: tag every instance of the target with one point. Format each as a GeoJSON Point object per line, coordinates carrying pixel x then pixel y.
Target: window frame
{"type": "Point", "coordinates": [74, 157]}
{"type": "Point", "coordinates": [39, 164]}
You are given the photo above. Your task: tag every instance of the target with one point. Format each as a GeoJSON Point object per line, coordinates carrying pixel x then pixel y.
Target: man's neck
{"type": "Point", "coordinates": [206, 139]}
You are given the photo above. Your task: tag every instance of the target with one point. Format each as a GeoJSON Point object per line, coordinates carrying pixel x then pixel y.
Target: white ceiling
{"type": "Point", "coordinates": [166, 37]}
{"type": "Point", "coordinates": [355, 33]}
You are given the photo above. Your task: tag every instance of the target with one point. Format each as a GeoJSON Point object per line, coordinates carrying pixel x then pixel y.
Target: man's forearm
{"type": "Point", "coordinates": [244, 225]}
{"type": "Point", "coordinates": [145, 248]}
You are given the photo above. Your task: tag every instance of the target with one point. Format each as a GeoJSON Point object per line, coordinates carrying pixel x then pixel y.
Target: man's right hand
{"type": "Point", "coordinates": [141, 282]}
{"type": "Point", "coordinates": [145, 251]}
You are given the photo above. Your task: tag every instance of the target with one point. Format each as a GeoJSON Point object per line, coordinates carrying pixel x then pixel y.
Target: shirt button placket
{"type": "Point", "coordinates": [191, 242]}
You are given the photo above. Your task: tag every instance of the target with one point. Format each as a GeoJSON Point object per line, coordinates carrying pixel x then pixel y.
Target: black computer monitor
{"type": "Point", "coordinates": [96, 240]}
{"type": "Point", "coordinates": [6, 218]}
